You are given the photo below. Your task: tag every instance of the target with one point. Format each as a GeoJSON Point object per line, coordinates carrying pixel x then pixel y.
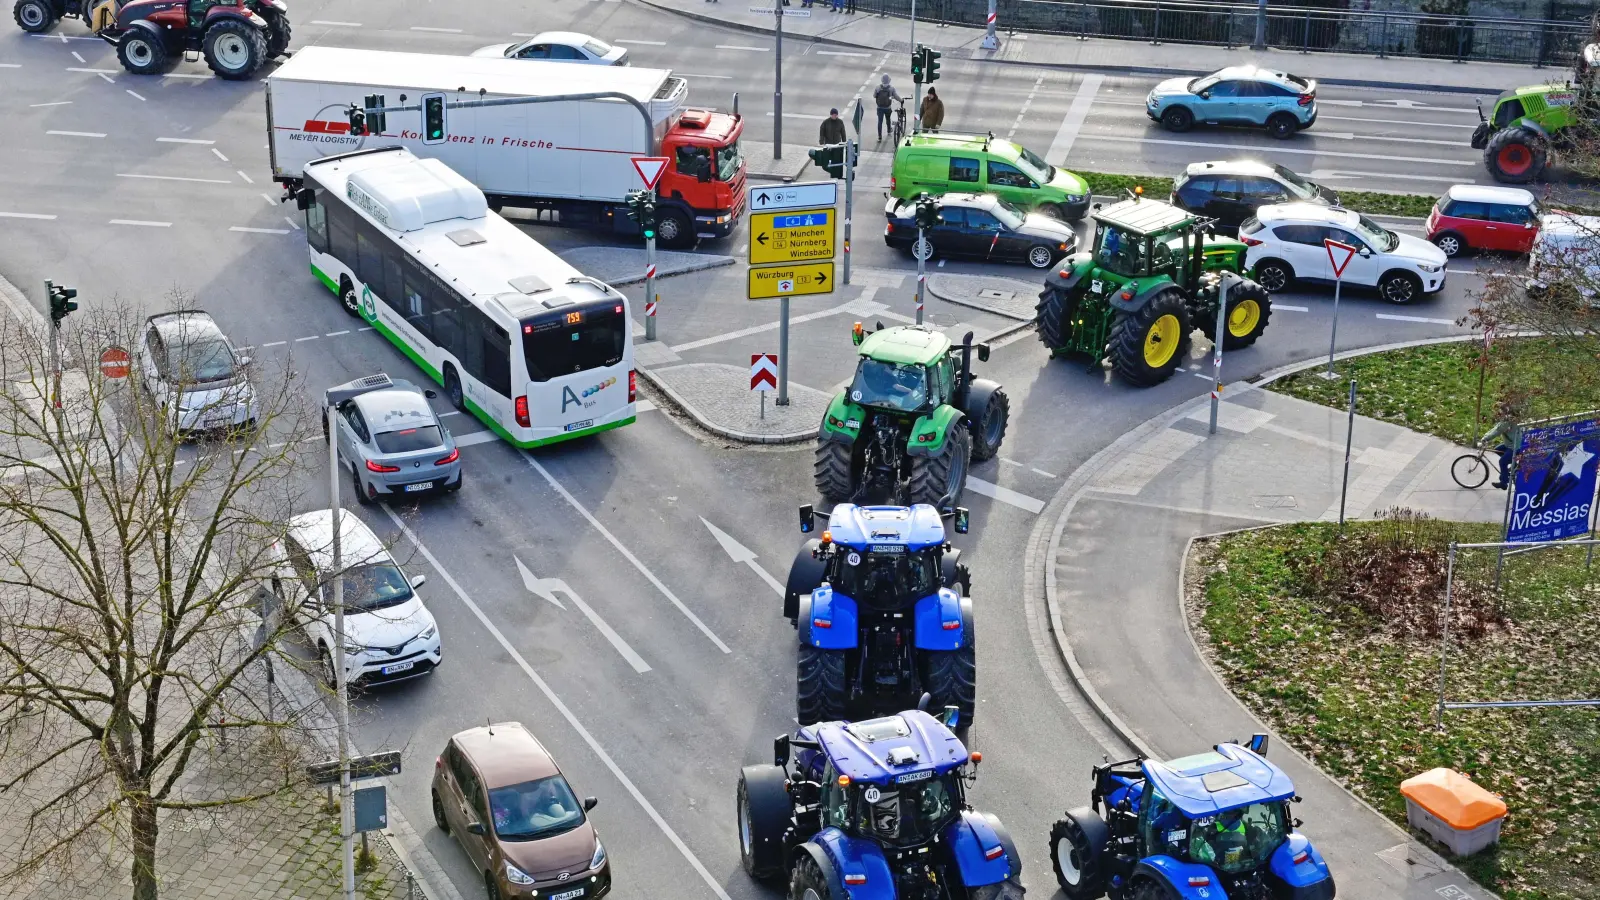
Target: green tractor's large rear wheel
{"type": "Point", "coordinates": [939, 480]}
{"type": "Point", "coordinates": [832, 470]}
{"type": "Point", "coordinates": [1052, 319]}
{"type": "Point", "coordinates": [1249, 309]}
{"type": "Point", "coordinates": [1148, 345]}
{"type": "Point", "coordinates": [1515, 155]}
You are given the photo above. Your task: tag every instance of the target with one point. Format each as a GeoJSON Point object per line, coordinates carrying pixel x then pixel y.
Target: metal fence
{"type": "Point", "coordinates": [1539, 42]}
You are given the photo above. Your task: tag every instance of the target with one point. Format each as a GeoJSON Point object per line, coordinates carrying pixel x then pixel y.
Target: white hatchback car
{"type": "Point", "coordinates": [191, 369]}
{"type": "Point", "coordinates": [389, 635]}
{"type": "Point", "coordinates": [1285, 244]}
{"type": "Point", "coordinates": [560, 46]}
{"type": "Point", "coordinates": [1566, 253]}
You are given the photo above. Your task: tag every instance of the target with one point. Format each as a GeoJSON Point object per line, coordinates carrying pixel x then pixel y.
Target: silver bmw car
{"type": "Point", "coordinates": [394, 443]}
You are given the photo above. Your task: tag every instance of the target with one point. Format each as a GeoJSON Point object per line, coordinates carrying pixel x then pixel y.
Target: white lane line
{"type": "Point", "coordinates": [292, 223]}
{"type": "Point", "coordinates": [1339, 174]}
{"type": "Point", "coordinates": [165, 140]}
{"type": "Point", "coordinates": [268, 197]}
{"type": "Point", "coordinates": [643, 406]}
{"type": "Point", "coordinates": [1004, 494]}
{"type": "Point", "coordinates": [693, 75]}
{"type": "Point", "coordinates": [1073, 120]}
{"type": "Point", "coordinates": [12, 215]}
{"type": "Point", "coordinates": [1422, 319]}
{"type": "Point", "coordinates": [309, 337]}
{"type": "Point", "coordinates": [643, 43]}
{"type": "Point", "coordinates": [259, 230]}
{"type": "Point", "coordinates": [572, 720]}
{"type": "Point", "coordinates": [106, 78]}
{"type": "Point", "coordinates": [1011, 462]}
{"type": "Point", "coordinates": [1042, 472]}
{"type": "Point", "coordinates": [1386, 121]}
{"type": "Point", "coordinates": [346, 331]}
{"type": "Point", "coordinates": [477, 437]}
{"type": "Point", "coordinates": [51, 103]}
{"type": "Point", "coordinates": [135, 94]}
{"type": "Point", "coordinates": [840, 53]}
{"type": "Point", "coordinates": [1285, 306]}
{"type": "Point", "coordinates": [247, 178]}
{"type": "Point", "coordinates": [65, 38]}
{"type": "Point", "coordinates": [368, 328]}
{"type": "Point", "coordinates": [194, 75]}
{"type": "Point", "coordinates": [1201, 375]}
{"type": "Point", "coordinates": [628, 555]}
{"type": "Point", "coordinates": [93, 134]}
{"type": "Point", "coordinates": [273, 344]}
{"type": "Point", "coordinates": [453, 412]}
{"type": "Point", "coordinates": [743, 47]}
{"type": "Point", "coordinates": [95, 71]}
{"type": "Point", "coordinates": [175, 178]}
{"type": "Point", "coordinates": [15, 65]}
{"type": "Point", "coordinates": [336, 24]}
{"type": "Point", "coordinates": [139, 222]}
{"type": "Point", "coordinates": [546, 588]}
{"type": "Point", "coordinates": [1119, 139]}
{"type": "Point", "coordinates": [436, 30]}
{"type": "Point", "coordinates": [218, 154]}
{"type": "Point", "coordinates": [79, 57]}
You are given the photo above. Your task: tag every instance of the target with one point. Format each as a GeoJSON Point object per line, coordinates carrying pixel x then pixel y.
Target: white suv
{"type": "Point", "coordinates": [1285, 244]}
{"type": "Point", "coordinates": [389, 635]}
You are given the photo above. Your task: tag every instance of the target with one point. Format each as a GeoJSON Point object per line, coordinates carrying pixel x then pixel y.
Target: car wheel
{"type": "Point", "coordinates": [1041, 257]}
{"type": "Point", "coordinates": [329, 675]}
{"type": "Point", "coordinates": [1451, 243]}
{"type": "Point", "coordinates": [490, 889]}
{"type": "Point", "coordinates": [1274, 274]}
{"type": "Point", "coordinates": [1400, 287]}
{"type": "Point", "coordinates": [438, 813]}
{"type": "Point", "coordinates": [1177, 118]}
{"type": "Point", "coordinates": [1282, 126]}
{"type": "Point", "coordinates": [456, 486]}
{"type": "Point", "coordinates": [362, 497]}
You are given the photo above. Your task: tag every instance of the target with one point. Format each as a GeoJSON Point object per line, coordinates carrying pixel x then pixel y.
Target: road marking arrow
{"type": "Point", "coordinates": [739, 553]}
{"type": "Point", "coordinates": [547, 589]}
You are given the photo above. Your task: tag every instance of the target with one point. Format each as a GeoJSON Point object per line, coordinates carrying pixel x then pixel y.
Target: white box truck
{"type": "Point", "coordinates": [568, 158]}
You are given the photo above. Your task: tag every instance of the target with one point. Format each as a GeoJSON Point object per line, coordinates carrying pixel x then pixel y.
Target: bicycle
{"type": "Point", "coordinates": [1471, 470]}
{"type": "Point", "coordinates": [899, 131]}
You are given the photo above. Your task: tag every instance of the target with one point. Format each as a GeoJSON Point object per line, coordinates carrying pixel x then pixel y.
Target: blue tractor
{"type": "Point", "coordinates": [880, 603]}
{"type": "Point", "coordinates": [1213, 826]}
{"type": "Point", "coordinates": [874, 810]}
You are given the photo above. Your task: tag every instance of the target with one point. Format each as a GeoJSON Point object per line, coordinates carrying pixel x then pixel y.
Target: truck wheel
{"type": "Point", "coordinates": [141, 52]}
{"type": "Point", "coordinates": [675, 230]}
{"type": "Point", "coordinates": [1052, 311]}
{"type": "Point", "coordinates": [1077, 843]}
{"type": "Point", "coordinates": [348, 298]}
{"type": "Point", "coordinates": [807, 882]}
{"type": "Point", "coordinates": [820, 685]}
{"type": "Point", "coordinates": [1515, 156]}
{"type": "Point", "coordinates": [279, 33]}
{"type": "Point", "coordinates": [1148, 346]}
{"type": "Point", "coordinates": [34, 16]}
{"type": "Point", "coordinates": [764, 810]}
{"type": "Point", "coordinates": [951, 676]}
{"type": "Point", "coordinates": [1249, 309]}
{"type": "Point", "coordinates": [832, 470]}
{"type": "Point", "coordinates": [938, 480]}
{"type": "Point", "coordinates": [234, 49]}
{"type": "Point", "coordinates": [989, 429]}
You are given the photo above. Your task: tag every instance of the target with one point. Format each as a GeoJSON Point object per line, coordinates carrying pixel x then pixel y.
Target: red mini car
{"type": "Point", "coordinates": [1468, 217]}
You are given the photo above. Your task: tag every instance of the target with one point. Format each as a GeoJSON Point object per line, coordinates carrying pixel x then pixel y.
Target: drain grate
{"type": "Point", "coordinates": [992, 294]}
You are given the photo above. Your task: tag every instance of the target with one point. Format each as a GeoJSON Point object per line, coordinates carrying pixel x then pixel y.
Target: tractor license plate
{"type": "Point", "coordinates": [419, 486]}
{"type": "Point", "coordinates": [914, 776]}
{"type": "Point", "coordinates": [1098, 286]}
{"type": "Point", "coordinates": [567, 895]}
{"type": "Point", "coordinates": [887, 548]}
{"type": "Point", "coordinates": [397, 667]}
{"type": "Point", "coordinates": [574, 427]}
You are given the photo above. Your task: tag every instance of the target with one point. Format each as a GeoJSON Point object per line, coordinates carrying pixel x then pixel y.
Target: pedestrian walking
{"type": "Point", "coordinates": [832, 129]}
{"type": "Point", "coordinates": [836, 5]}
{"type": "Point", "coordinates": [885, 96]}
{"type": "Point", "coordinates": [932, 111]}
{"type": "Point", "coordinates": [850, 6]}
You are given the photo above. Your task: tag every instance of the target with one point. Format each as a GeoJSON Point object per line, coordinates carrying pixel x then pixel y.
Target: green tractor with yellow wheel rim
{"type": "Point", "coordinates": [1153, 276]}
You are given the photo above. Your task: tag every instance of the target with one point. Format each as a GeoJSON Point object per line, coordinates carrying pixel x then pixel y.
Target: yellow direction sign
{"type": "Point", "coordinates": [794, 280]}
{"type": "Point", "coordinates": [792, 236]}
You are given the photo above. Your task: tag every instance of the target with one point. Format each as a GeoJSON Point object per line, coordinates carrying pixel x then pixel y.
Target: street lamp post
{"type": "Point", "coordinates": [346, 810]}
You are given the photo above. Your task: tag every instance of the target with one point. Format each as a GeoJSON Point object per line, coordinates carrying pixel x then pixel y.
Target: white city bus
{"type": "Point", "coordinates": [517, 337]}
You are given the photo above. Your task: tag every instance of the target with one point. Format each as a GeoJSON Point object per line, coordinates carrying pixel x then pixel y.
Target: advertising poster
{"type": "Point", "coordinates": [1553, 494]}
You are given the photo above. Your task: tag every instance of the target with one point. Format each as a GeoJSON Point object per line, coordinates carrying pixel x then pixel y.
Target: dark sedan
{"type": "Point", "coordinates": [1231, 191]}
{"type": "Point", "coordinates": [981, 226]}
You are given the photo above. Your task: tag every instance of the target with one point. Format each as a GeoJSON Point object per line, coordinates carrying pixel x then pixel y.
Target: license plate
{"type": "Point", "coordinates": [887, 548]}
{"type": "Point", "coordinates": [397, 667]}
{"type": "Point", "coordinates": [567, 895]}
{"type": "Point", "coordinates": [574, 427]}
{"type": "Point", "coordinates": [413, 488]}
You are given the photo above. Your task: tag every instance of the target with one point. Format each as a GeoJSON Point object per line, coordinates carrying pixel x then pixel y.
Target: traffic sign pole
{"type": "Point", "coordinates": [777, 106]}
{"type": "Point", "coordinates": [1333, 333]}
{"type": "Point", "coordinates": [1335, 249]}
{"type": "Point", "coordinates": [1224, 288]}
{"type": "Point", "coordinates": [650, 298]}
{"type": "Point", "coordinates": [922, 270]}
{"type": "Point", "coordinates": [783, 351]}
{"type": "Point", "coordinates": [849, 189]}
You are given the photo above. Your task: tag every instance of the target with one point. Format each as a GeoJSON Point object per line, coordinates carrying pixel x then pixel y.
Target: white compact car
{"type": "Point", "coordinates": [1285, 244]}
{"type": "Point", "coordinates": [389, 635]}
{"type": "Point", "coordinates": [560, 46]}
{"type": "Point", "coordinates": [191, 369]}
{"type": "Point", "coordinates": [1566, 253]}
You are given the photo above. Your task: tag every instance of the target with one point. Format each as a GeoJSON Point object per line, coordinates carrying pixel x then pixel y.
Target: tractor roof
{"type": "Point", "coordinates": [911, 746]}
{"type": "Point", "coordinates": [906, 345]}
{"type": "Point", "coordinates": [860, 527]}
{"type": "Point", "coordinates": [1224, 778]}
{"type": "Point", "coordinates": [1144, 216]}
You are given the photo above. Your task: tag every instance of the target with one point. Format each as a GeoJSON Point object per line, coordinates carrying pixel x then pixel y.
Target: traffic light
{"type": "Point", "coordinates": [927, 211]}
{"type": "Point", "coordinates": [642, 210]}
{"type": "Point", "coordinates": [433, 119]}
{"type": "Point", "coordinates": [930, 65]}
{"type": "Point", "coordinates": [829, 157]}
{"type": "Point", "coordinates": [358, 121]}
{"type": "Point", "coordinates": [61, 301]}
{"type": "Point", "coordinates": [377, 121]}
{"type": "Point", "coordinates": [917, 63]}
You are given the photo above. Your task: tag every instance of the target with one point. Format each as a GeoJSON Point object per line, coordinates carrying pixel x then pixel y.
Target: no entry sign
{"type": "Point", "coordinates": [763, 371]}
{"type": "Point", "coordinates": [114, 363]}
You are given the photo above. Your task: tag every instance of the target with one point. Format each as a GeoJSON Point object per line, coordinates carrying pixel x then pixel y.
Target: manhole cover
{"type": "Point", "coordinates": [992, 294]}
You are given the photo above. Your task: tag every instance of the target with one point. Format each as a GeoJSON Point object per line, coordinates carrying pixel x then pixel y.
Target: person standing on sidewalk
{"type": "Point", "coordinates": [832, 129]}
{"type": "Point", "coordinates": [932, 111]}
{"type": "Point", "coordinates": [885, 96]}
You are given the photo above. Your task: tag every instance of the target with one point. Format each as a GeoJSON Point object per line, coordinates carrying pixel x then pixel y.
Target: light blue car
{"type": "Point", "coordinates": [1238, 95]}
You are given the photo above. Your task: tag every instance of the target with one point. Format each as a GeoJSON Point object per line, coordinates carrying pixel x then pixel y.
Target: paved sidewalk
{"type": "Point", "coordinates": [1134, 508]}
{"type": "Point", "coordinates": [872, 32]}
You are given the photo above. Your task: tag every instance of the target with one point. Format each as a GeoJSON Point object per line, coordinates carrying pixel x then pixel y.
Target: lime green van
{"type": "Point", "coordinates": [947, 163]}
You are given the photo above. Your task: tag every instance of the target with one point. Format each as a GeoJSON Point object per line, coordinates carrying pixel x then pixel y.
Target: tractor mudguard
{"type": "Point", "coordinates": [805, 576]}
{"type": "Point", "coordinates": [854, 858]}
{"type": "Point", "coordinates": [1004, 834]}
{"type": "Point", "coordinates": [828, 620]}
{"type": "Point", "coordinates": [978, 396]}
{"type": "Point", "coordinates": [1177, 874]}
{"type": "Point", "coordinates": [217, 13]}
{"type": "Point", "coordinates": [940, 624]}
{"type": "Point", "coordinates": [979, 852]}
{"type": "Point", "coordinates": [1480, 136]}
{"type": "Point", "coordinates": [1141, 295]}
{"type": "Point", "coordinates": [1070, 271]}
{"type": "Point", "coordinates": [830, 872]}
{"type": "Point", "coordinates": [950, 569]}
{"type": "Point", "coordinates": [1308, 879]}
{"type": "Point", "coordinates": [842, 422]}
{"type": "Point", "coordinates": [929, 432]}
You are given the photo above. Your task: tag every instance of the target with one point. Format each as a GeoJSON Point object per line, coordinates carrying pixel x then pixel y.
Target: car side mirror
{"type": "Point", "coordinates": [780, 750]}
{"type": "Point", "coordinates": [961, 519]}
{"type": "Point", "coordinates": [590, 803]}
{"type": "Point", "coordinates": [951, 717]}
{"type": "Point", "coordinates": [418, 581]}
{"type": "Point", "coordinates": [808, 519]}
{"type": "Point", "coordinates": [1205, 95]}
{"type": "Point", "coordinates": [245, 361]}
{"type": "Point", "coordinates": [1366, 252]}
{"type": "Point", "coordinates": [983, 352]}
{"type": "Point", "coordinates": [475, 828]}
{"type": "Point", "coordinates": [1258, 744]}
{"type": "Point", "coordinates": [305, 198]}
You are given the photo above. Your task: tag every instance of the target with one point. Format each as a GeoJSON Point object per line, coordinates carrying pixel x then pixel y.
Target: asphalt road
{"type": "Point", "coordinates": [142, 187]}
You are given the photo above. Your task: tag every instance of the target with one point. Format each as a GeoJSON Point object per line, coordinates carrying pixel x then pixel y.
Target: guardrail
{"type": "Point", "coordinates": [1538, 42]}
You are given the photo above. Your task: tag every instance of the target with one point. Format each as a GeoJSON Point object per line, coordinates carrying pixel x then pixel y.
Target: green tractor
{"type": "Point", "coordinates": [1527, 124]}
{"type": "Point", "coordinates": [1153, 276]}
{"type": "Point", "coordinates": [911, 422]}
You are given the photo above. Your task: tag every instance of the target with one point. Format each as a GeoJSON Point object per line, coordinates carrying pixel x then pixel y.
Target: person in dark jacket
{"type": "Point", "coordinates": [932, 111]}
{"type": "Point", "coordinates": [832, 129]}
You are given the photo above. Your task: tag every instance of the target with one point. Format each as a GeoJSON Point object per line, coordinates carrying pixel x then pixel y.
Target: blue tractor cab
{"type": "Point", "coordinates": [880, 603]}
{"type": "Point", "coordinates": [1213, 826]}
{"type": "Point", "coordinates": [874, 810]}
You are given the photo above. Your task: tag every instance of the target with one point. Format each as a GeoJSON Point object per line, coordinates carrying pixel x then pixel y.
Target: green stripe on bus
{"type": "Point", "coordinates": [326, 281]}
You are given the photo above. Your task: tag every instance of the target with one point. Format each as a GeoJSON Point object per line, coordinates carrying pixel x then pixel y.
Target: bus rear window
{"type": "Point", "coordinates": [570, 341]}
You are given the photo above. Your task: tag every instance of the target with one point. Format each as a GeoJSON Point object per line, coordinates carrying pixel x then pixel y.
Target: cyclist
{"type": "Point", "coordinates": [885, 97]}
{"type": "Point", "coordinates": [1508, 416]}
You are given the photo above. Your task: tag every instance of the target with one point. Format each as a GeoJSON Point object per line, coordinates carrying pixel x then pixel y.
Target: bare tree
{"type": "Point", "coordinates": [132, 561]}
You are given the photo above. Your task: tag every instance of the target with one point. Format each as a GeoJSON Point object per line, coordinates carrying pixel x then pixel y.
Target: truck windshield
{"type": "Point", "coordinates": [728, 160]}
{"type": "Point", "coordinates": [886, 580]}
{"type": "Point", "coordinates": [1239, 840]}
{"type": "Point", "coordinates": [1120, 253]}
{"type": "Point", "coordinates": [890, 385]}
{"type": "Point", "coordinates": [904, 815]}
{"type": "Point", "coordinates": [563, 342]}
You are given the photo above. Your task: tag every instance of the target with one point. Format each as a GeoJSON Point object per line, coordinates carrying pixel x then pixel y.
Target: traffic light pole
{"type": "Point", "coordinates": [849, 200]}
{"type": "Point", "coordinates": [922, 252]}
{"type": "Point", "coordinates": [777, 116]}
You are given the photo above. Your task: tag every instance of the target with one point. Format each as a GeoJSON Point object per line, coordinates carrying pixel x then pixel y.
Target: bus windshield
{"type": "Point", "coordinates": [564, 342]}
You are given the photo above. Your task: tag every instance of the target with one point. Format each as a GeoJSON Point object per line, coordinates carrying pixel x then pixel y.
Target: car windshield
{"type": "Point", "coordinates": [1118, 252]}
{"type": "Point", "coordinates": [1034, 167]}
{"type": "Point", "coordinates": [375, 586]}
{"type": "Point", "coordinates": [890, 385]}
{"type": "Point", "coordinates": [1376, 235]}
{"type": "Point", "coordinates": [728, 159]}
{"type": "Point", "coordinates": [534, 809]}
{"type": "Point", "coordinates": [885, 580]}
{"type": "Point", "coordinates": [1009, 215]}
{"type": "Point", "coordinates": [1297, 184]}
{"type": "Point", "coordinates": [202, 361]}
{"type": "Point", "coordinates": [409, 440]}
{"type": "Point", "coordinates": [597, 46]}
{"type": "Point", "coordinates": [904, 815]}
{"type": "Point", "coordinates": [1239, 840]}
{"type": "Point", "coordinates": [1203, 84]}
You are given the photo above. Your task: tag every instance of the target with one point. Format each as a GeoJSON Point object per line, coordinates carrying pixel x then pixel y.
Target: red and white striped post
{"type": "Point", "coordinates": [991, 40]}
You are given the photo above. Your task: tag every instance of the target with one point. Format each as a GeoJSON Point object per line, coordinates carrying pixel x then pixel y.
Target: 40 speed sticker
{"type": "Point", "coordinates": [873, 795]}
{"type": "Point", "coordinates": [853, 559]}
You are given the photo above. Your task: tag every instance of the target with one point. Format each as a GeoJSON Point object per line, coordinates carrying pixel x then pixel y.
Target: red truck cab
{"type": "Point", "coordinates": [706, 176]}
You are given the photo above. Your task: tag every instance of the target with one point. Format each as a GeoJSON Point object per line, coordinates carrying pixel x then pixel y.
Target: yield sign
{"type": "Point", "coordinates": [1339, 254]}
{"type": "Point", "coordinates": [763, 371]}
{"type": "Point", "coordinates": [649, 169]}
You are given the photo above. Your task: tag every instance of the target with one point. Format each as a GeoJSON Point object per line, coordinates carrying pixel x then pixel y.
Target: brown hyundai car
{"type": "Point", "coordinates": [498, 791]}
